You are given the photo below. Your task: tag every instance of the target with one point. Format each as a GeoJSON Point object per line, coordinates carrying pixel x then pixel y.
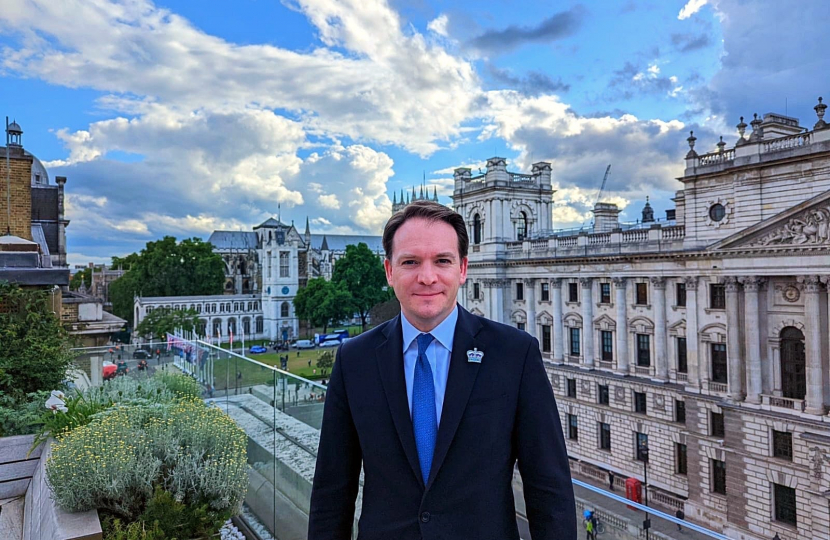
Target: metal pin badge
{"type": "Point", "coordinates": [475, 356]}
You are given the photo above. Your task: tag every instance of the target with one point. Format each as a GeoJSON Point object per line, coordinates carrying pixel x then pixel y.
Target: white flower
{"type": "Point", "coordinates": [58, 394]}
{"type": "Point", "coordinates": [55, 403]}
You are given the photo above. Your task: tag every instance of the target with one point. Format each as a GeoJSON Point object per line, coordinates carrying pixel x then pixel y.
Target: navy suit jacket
{"type": "Point", "coordinates": [495, 413]}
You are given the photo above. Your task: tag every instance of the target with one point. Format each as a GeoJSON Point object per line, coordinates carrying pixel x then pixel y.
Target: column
{"type": "Point", "coordinates": [815, 383]}
{"type": "Point", "coordinates": [530, 291]}
{"type": "Point", "coordinates": [753, 338]}
{"type": "Point", "coordinates": [485, 297]}
{"type": "Point", "coordinates": [661, 373]}
{"type": "Point", "coordinates": [499, 288]}
{"type": "Point", "coordinates": [622, 325]}
{"type": "Point", "coordinates": [692, 355]}
{"type": "Point", "coordinates": [733, 340]}
{"type": "Point", "coordinates": [556, 302]}
{"type": "Point", "coordinates": [587, 322]}
{"type": "Point", "coordinates": [493, 313]}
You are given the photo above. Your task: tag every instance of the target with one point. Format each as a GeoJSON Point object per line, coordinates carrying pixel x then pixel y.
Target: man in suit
{"type": "Point", "coordinates": [437, 405]}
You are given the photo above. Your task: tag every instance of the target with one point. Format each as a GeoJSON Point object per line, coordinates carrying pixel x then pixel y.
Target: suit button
{"type": "Point", "coordinates": [425, 517]}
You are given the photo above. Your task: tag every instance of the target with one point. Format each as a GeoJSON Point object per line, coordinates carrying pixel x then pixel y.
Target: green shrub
{"type": "Point", "coordinates": [114, 529]}
{"type": "Point", "coordinates": [178, 520]}
{"type": "Point", "coordinates": [21, 415]}
{"type": "Point", "coordinates": [182, 386]}
{"type": "Point", "coordinates": [194, 452]}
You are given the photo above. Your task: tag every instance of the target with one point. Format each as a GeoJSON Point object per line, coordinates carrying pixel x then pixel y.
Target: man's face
{"type": "Point", "coordinates": [426, 271]}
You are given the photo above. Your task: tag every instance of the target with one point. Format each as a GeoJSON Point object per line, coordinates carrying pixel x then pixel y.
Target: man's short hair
{"type": "Point", "coordinates": [432, 212]}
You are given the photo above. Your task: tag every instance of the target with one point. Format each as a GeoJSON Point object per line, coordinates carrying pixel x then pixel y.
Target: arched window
{"type": "Point", "coordinates": [521, 227]}
{"type": "Point", "coordinates": [477, 229]}
{"type": "Point", "coordinates": [259, 325]}
{"type": "Point", "coordinates": [793, 364]}
{"type": "Point", "coordinates": [284, 310]}
{"type": "Point", "coordinates": [246, 325]}
{"type": "Point", "coordinates": [231, 326]}
{"type": "Point", "coordinates": [217, 327]}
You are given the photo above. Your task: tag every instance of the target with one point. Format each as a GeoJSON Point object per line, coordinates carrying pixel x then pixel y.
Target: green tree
{"type": "Point", "coordinates": [361, 273]}
{"type": "Point", "coordinates": [322, 302]}
{"type": "Point", "coordinates": [167, 268]}
{"type": "Point", "coordinates": [160, 321]}
{"type": "Point", "coordinates": [34, 347]}
{"type": "Point", "coordinates": [81, 276]}
{"type": "Point", "coordinates": [325, 361]}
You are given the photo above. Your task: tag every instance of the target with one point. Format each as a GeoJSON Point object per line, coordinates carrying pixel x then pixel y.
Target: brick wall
{"type": "Point", "coordinates": [21, 196]}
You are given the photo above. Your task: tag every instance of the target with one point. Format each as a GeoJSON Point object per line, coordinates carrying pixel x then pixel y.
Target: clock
{"type": "Point", "coordinates": [791, 293]}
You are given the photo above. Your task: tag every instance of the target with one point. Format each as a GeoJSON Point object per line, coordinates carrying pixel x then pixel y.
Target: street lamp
{"type": "Point", "coordinates": [644, 456]}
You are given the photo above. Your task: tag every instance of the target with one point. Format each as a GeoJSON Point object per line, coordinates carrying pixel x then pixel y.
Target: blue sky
{"type": "Point", "coordinates": [181, 117]}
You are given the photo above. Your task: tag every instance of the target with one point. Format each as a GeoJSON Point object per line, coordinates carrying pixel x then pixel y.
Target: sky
{"type": "Point", "coordinates": [181, 117]}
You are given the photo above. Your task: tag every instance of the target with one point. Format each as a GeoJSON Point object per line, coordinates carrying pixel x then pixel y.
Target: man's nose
{"type": "Point", "coordinates": [427, 275]}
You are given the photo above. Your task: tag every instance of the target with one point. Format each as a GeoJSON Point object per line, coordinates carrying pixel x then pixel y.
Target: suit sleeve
{"type": "Point", "coordinates": [339, 458]}
{"type": "Point", "coordinates": [542, 455]}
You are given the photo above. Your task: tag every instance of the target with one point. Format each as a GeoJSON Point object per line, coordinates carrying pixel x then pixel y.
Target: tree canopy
{"type": "Point", "coordinates": [322, 302]}
{"type": "Point", "coordinates": [34, 347]}
{"type": "Point", "coordinates": [361, 273]}
{"type": "Point", "coordinates": [162, 320]}
{"type": "Point", "coordinates": [81, 276]}
{"type": "Point", "coordinates": [167, 268]}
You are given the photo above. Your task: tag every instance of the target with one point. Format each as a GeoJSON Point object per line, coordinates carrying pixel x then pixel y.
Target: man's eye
{"type": "Point", "coordinates": [444, 261]}
{"type": "Point", "coordinates": [405, 263]}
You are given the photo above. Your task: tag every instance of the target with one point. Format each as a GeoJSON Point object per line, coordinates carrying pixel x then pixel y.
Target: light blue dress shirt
{"type": "Point", "coordinates": [438, 354]}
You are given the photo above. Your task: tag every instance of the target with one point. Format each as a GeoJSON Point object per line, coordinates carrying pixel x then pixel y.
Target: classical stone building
{"type": "Point", "coordinates": [703, 338]}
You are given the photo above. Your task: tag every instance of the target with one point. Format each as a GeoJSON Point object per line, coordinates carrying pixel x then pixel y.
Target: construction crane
{"type": "Point", "coordinates": [604, 180]}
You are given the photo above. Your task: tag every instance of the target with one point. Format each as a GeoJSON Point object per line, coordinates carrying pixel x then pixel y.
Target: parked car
{"type": "Point", "coordinates": [305, 344]}
{"type": "Point", "coordinates": [141, 354]}
{"type": "Point", "coordinates": [330, 343]}
{"type": "Point", "coordinates": [109, 370]}
{"type": "Point", "coordinates": [258, 349]}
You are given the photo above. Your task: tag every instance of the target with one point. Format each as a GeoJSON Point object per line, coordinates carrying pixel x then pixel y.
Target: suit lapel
{"type": "Point", "coordinates": [390, 365]}
{"type": "Point", "coordinates": [460, 382]}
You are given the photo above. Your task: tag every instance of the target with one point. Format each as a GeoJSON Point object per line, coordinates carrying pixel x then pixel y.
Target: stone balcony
{"type": "Point", "coordinates": [656, 238]}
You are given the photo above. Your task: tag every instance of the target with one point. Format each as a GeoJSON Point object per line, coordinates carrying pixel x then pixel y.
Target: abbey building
{"type": "Point", "coordinates": [697, 345]}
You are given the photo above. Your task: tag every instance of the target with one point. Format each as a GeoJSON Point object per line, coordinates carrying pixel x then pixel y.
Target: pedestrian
{"type": "Point", "coordinates": [679, 515]}
{"type": "Point", "coordinates": [611, 480]}
{"type": "Point", "coordinates": [589, 522]}
{"type": "Point", "coordinates": [309, 362]}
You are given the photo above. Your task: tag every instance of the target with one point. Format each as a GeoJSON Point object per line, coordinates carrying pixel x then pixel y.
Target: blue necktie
{"type": "Point", "coordinates": [424, 418]}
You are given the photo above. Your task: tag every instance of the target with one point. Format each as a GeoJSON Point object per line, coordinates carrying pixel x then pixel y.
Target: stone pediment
{"type": "Point", "coordinates": [803, 227]}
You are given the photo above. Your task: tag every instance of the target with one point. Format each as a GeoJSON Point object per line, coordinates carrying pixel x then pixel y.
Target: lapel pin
{"type": "Point", "coordinates": [475, 356]}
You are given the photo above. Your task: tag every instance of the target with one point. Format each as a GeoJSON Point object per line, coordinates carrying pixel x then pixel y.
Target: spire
{"type": "Point", "coordinates": [325, 245]}
{"type": "Point", "coordinates": [422, 191]}
{"type": "Point", "coordinates": [435, 193]}
{"type": "Point", "coordinates": [413, 194]}
{"type": "Point", "coordinates": [307, 229]}
{"type": "Point", "coordinates": [394, 198]}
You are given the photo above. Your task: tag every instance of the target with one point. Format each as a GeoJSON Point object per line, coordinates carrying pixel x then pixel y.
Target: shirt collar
{"type": "Point", "coordinates": [443, 333]}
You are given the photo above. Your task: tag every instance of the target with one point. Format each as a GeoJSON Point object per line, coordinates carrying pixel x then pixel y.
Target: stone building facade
{"type": "Point", "coordinates": [704, 339]}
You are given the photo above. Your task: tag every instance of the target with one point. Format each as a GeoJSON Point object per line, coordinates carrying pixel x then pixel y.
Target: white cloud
{"type": "Point", "coordinates": [691, 7]}
{"type": "Point", "coordinates": [653, 70]}
{"type": "Point", "coordinates": [439, 25]}
{"type": "Point", "coordinates": [329, 201]}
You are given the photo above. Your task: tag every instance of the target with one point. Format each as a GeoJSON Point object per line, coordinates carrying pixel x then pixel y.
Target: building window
{"type": "Point", "coordinates": [718, 476]}
{"type": "Point", "coordinates": [571, 388]}
{"type": "Point", "coordinates": [521, 227]}
{"type": "Point", "coordinates": [785, 509]}
{"type": "Point", "coordinates": [682, 364]}
{"type": "Point", "coordinates": [284, 310]}
{"type": "Point", "coordinates": [717, 296]}
{"type": "Point", "coordinates": [607, 339]}
{"type": "Point", "coordinates": [476, 229]}
{"type": "Point", "coordinates": [605, 436]}
{"type": "Point", "coordinates": [782, 445]}
{"type": "Point", "coordinates": [680, 458]}
{"type": "Point", "coordinates": [259, 325]}
{"type": "Point", "coordinates": [640, 403]}
{"type": "Point", "coordinates": [520, 326]}
{"type": "Point", "coordinates": [642, 294]}
{"type": "Point", "coordinates": [545, 338]}
{"type": "Point", "coordinates": [284, 258]}
{"type": "Point", "coordinates": [643, 350]}
{"type": "Point", "coordinates": [602, 394]}
{"type": "Point", "coordinates": [681, 295]}
{"type": "Point", "coordinates": [520, 291]}
{"type": "Point", "coordinates": [679, 411]}
{"type": "Point", "coordinates": [605, 293]}
{"type": "Point", "coordinates": [573, 427]}
{"type": "Point", "coordinates": [719, 363]}
{"type": "Point", "coordinates": [574, 341]}
{"type": "Point", "coordinates": [573, 292]}
{"type": "Point", "coordinates": [545, 292]}
{"type": "Point", "coordinates": [476, 291]}
{"type": "Point", "coordinates": [221, 308]}
{"type": "Point", "coordinates": [641, 442]}
{"type": "Point", "coordinates": [246, 326]}
{"type": "Point", "coordinates": [716, 428]}
{"type": "Point", "coordinates": [717, 212]}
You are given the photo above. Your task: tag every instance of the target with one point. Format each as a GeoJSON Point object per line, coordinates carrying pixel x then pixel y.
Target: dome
{"type": "Point", "coordinates": [40, 176]}
{"type": "Point", "coordinates": [14, 127]}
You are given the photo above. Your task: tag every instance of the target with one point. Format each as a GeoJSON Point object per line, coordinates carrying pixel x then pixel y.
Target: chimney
{"type": "Point", "coordinates": [606, 217]}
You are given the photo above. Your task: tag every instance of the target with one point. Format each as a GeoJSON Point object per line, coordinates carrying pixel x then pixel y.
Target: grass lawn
{"type": "Point", "coordinates": [254, 374]}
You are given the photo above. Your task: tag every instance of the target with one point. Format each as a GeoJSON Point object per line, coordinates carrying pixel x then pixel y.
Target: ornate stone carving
{"type": "Point", "coordinates": [818, 458]}
{"type": "Point", "coordinates": [658, 282]}
{"type": "Point", "coordinates": [810, 284]}
{"type": "Point", "coordinates": [586, 281]}
{"type": "Point", "coordinates": [659, 402]}
{"type": "Point", "coordinates": [556, 282]}
{"type": "Point", "coordinates": [810, 227]}
{"type": "Point", "coordinates": [727, 212]}
{"type": "Point", "coordinates": [732, 284]}
{"type": "Point", "coordinates": [691, 283]}
{"type": "Point", "coordinates": [619, 394]}
{"type": "Point", "coordinates": [753, 283]}
{"type": "Point", "coordinates": [620, 282]}
{"type": "Point", "coordinates": [530, 282]}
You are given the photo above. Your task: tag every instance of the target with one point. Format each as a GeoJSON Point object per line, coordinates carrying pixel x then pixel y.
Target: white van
{"type": "Point", "coordinates": [304, 344]}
